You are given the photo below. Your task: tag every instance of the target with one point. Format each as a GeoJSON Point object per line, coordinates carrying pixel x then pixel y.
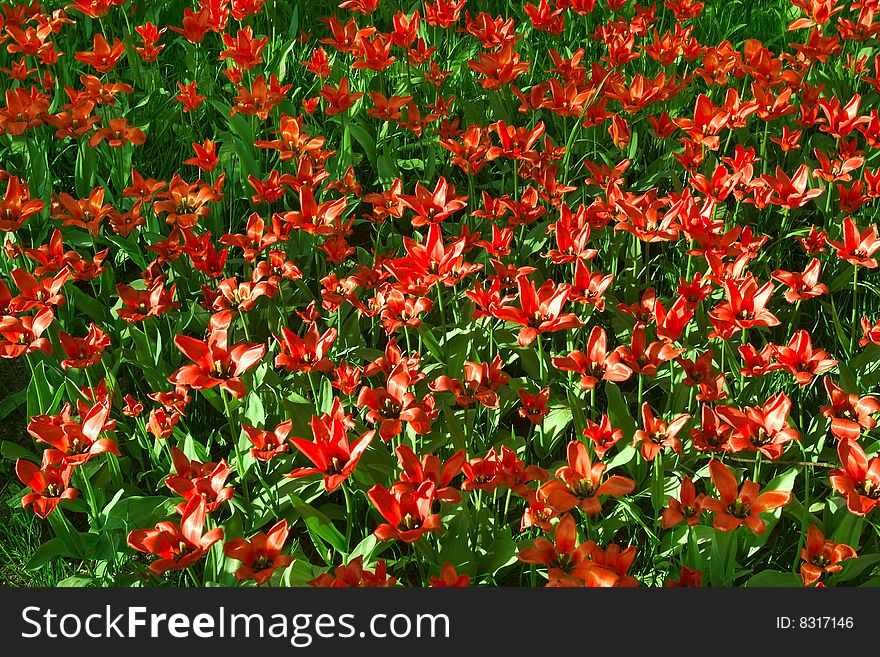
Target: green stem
{"type": "Point", "coordinates": [855, 293]}
{"type": "Point", "coordinates": [443, 318]}
{"type": "Point", "coordinates": [233, 436]}
{"type": "Point", "coordinates": [349, 515]}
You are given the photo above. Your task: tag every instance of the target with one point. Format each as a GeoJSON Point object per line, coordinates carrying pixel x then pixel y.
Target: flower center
{"type": "Point", "coordinates": [409, 522]}
{"type": "Point", "coordinates": [740, 509]}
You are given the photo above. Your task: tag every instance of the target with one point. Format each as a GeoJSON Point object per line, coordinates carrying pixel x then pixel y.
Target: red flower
{"type": "Point", "coordinates": [597, 364]}
{"type": "Point", "coordinates": [742, 507]}
{"type": "Point", "coordinates": [822, 556]}
{"type": "Point", "coordinates": [23, 335]}
{"type": "Point", "coordinates": [210, 487]}
{"type": "Point", "coordinates": [214, 363]}
{"type": "Point", "coordinates": [849, 413]}
{"type": "Point", "coordinates": [857, 247]}
{"type": "Point", "coordinates": [333, 456]}
{"type": "Point", "coordinates": [118, 134]}
{"type": "Point", "coordinates": [790, 193]}
{"type": "Point", "coordinates": [500, 468]}
{"type": "Point", "coordinates": [268, 445]}
{"type": "Point", "coordinates": [339, 99]}
{"type": "Point", "coordinates": [579, 484]}
{"type": "Point", "coordinates": [657, 434]}
{"type": "Point", "coordinates": [433, 206]}
{"type": "Point", "coordinates": [870, 332]}
{"type": "Point", "coordinates": [449, 578]}
{"type": "Point", "coordinates": [603, 435]}
{"type": "Point", "coordinates": [83, 352]}
{"type": "Point", "coordinates": [17, 206]}
{"type": "Point", "coordinates": [305, 354]}
{"type": "Point", "coordinates": [859, 478]}
{"type": "Point", "coordinates": [688, 577]}
{"type": "Point", "coordinates": [429, 468]}
{"type": "Point", "coordinates": [137, 305]}
{"type": "Point", "coordinates": [645, 360]}
{"type": "Point", "coordinates": [481, 380]}
{"type": "Point", "coordinates": [261, 554]}
{"type": "Point", "coordinates": [803, 286]}
{"type": "Point", "coordinates": [688, 507]}
{"type": "Point", "coordinates": [392, 405]}
{"type": "Point", "coordinates": [540, 310]}
{"type": "Point", "coordinates": [744, 308]}
{"type": "Point", "coordinates": [49, 482]}
{"type": "Point", "coordinates": [178, 545]}
{"type": "Point", "coordinates": [534, 406]}
{"type": "Point", "coordinates": [103, 57]}
{"type": "Point", "coordinates": [78, 442]}
{"type": "Point", "coordinates": [562, 557]}
{"type": "Point", "coordinates": [765, 428]}
{"type": "Point", "coordinates": [408, 512]}
{"type": "Point", "coordinates": [354, 575]}
{"type": "Point", "coordinates": [800, 360]}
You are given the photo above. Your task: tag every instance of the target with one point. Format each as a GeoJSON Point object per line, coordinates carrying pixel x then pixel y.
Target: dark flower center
{"type": "Point", "coordinates": [584, 489]}
{"type": "Point", "coordinates": [262, 563]}
{"type": "Point", "coordinates": [409, 522]}
{"type": "Point", "coordinates": [740, 509]}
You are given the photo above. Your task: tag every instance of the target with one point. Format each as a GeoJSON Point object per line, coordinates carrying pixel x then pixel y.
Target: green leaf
{"type": "Point", "coordinates": [48, 551]}
{"type": "Point", "coordinates": [852, 568]}
{"type": "Point", "coordinates": [319, 524]}
{"type": "Point", "coordinates": [365, 139]}
{"type": "Point", "coordinates": [12, 451]}
{"type": "Point", "coordinates": [70, 538]}
{"type": "Point", "coordinates": [77, 582]}
{"type": "Point", "coordinates": [774, 578]}
{"type": "Point", "coordinates": [618, 411]}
